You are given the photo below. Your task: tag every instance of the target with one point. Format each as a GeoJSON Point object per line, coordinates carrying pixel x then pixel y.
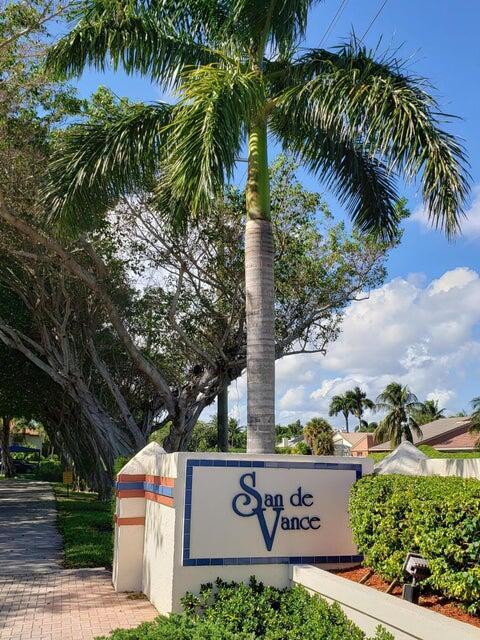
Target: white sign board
{"type": "Point", "coordinates": [241, 512]}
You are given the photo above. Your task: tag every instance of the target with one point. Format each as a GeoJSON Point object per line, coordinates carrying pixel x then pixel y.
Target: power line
{"type": "Point", "coordinates": [373, 20]}
{"type": "Point", "coordinates": [334, 21]}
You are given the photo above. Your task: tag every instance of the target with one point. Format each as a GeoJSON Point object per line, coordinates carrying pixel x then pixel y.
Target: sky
{"type": "Point", "coordinates": [422, 327]}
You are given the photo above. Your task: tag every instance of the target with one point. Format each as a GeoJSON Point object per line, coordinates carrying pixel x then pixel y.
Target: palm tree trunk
{"type": "Point", "coordinates": [7, 460]}
{"type": "Point", "coordinates": [259, 289]}
{"type": "Point", "coordinates": [222, 418]}
{"type": "Point", "coordinates": [346, 421]}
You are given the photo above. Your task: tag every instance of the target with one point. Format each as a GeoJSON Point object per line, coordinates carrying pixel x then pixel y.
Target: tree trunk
{"type": "Point", "coordinates": [7, 460]}
{"type": "Point", "coordinates": [180, 431]}
{"type": "Point", "coordinates": [346, 420]}
{"type": "Point", "coordinates": [222, 418]}
{"type": "Point", "coordinates": [259, 289]}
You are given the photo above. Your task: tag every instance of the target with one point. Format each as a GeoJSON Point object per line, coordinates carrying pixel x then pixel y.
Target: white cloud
{"type": "Point", "coordinates": [422, 334]}
{"type": "Point", "coordinates": [470, 225]}
{"type": "Point", "coordinates": [293, 398]}
{"type": "Point", "coordinates": [442, 396]}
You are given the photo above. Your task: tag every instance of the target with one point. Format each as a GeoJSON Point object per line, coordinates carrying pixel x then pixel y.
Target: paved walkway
{"type": "Point", "coordinates": [29, 541]}
{"type": "Point", "coordinates": [38, 599]}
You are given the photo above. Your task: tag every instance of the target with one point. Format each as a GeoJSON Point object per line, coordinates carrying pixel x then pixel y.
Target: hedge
{"type": "Point", "coordinates": [436, 517]}
{"type": "Point", "coordinates": [231, 611]}
{"type": "Point", "coordinates": [50, 470]}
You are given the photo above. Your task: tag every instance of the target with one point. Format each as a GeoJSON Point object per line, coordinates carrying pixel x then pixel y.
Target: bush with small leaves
{"type": "Point", "coordinates": [232, 611]}
{"type": "Point", "coordinates": [437, 517]}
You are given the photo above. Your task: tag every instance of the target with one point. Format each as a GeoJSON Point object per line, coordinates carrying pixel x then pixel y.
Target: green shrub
{"type": "Point", "coordinates": [257, 611]}
{"type": "Point", "coordinates": [436, 517]}
{"type": "Point", "coordinates": [118, 465]}
{"type": "Point", "coordinates": [177, 627]}
{"type": "Point", "coordinates": [302, 448]}
{"type": "Point", "coordinates": [49, 470]}
{"type": "Point", "coordinates": [231, 611]}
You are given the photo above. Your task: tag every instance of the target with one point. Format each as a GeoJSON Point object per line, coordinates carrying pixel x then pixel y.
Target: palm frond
{"type": "Point", "coordinates": [393, 116]}
{"type": "Point", "coordinates": [156, 43]}
{"type": "Point", "coordinates": [361, 182]}
{"type": "Point", "coordinates": [207, 130]}
{"type": "Point", "coordinates": [278, 23]}
{"type": "Point", "coordinates": [96, 163]}
{"type": "Point", "coordinates": [415, 427]}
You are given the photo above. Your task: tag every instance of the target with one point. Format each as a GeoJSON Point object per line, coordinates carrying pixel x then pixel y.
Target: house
{"type": "Point", "coordinates": [446, 434]}
{"type": "Point", "coordinates": [345, 443]}
{"type": "Point", "coordinates": [29, 436]}
{"type": "Point", "coordinates": [352, 444]}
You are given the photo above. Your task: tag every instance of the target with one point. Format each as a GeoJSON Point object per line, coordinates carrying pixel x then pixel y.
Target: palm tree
{"type": "Point", "coordinates": [398, 424]}
{"type": "Point", "coordinates": [359, 402]}
{"type": "Point", "coordinates": [318, 435]}
{"type": "Point", "coordinates": [242, 78]}
{"type": "Point", "coordinates": [341, 404]}
{"type": "Point", "coordinates": [367, 427]}
{"type": "Point", "coordinates": [475, 424]}
{"type": "Point", "coordinates": [428, 412]}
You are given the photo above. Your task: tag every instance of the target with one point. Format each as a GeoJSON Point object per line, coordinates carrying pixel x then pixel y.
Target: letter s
{"type": "Point", "coordinates": [246, 497]}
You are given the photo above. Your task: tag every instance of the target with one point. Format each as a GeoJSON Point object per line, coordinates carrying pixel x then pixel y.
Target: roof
{"type": "Point", "coordinates": [366, 443]}
{"type": "Point", "coordinates": [27, 431]}
{"type": "Point", "coordinates": [352, 438]}
{"type": "Point", "coordinates": [438, 429]}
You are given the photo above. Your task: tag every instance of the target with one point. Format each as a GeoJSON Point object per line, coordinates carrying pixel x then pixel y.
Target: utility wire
{"type": "Point", "coordinates": [373, 20]}
{"type": "Point", "coordinates": [334, 21]}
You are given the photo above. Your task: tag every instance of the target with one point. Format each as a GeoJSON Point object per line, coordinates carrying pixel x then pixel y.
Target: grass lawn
{"type": "Point", "coordinates": [85, 524]}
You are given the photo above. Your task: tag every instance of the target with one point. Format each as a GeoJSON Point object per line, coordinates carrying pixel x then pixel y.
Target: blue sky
{"type": "Point", "coordinates": [440, 40]}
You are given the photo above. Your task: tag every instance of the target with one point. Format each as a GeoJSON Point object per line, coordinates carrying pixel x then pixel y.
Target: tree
{"type": "Point", "coordinates": [341, 404]}
{"type": "Point", "coordinates": [318, 435]}
{"type": "Point", "coordinates": [358, 401]}
{"type": "Point", "coordinates": [291, 430]}
{"type": "Point", "coordinates": [398, 424]}
{"type": "Point", "coordinates": [367, 427]}
{"type": "Point", "coordinates": [158, 354]}
{"type": "Point", "coordinates": [428, 412]}
{"type": "Point", "coordinates": [241, 75]}
{"type": "Point", "coordinates": [475, 424]}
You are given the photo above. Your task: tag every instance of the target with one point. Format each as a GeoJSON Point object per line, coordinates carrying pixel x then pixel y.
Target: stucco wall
{"type": "Point", "coordinates": [461, 467]}
{"type": "Point", "coordinates": [369, 609]}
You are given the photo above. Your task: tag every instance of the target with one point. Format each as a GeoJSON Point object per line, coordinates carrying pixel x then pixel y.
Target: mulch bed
{"type": "Point", "coordinates": [428, 600]}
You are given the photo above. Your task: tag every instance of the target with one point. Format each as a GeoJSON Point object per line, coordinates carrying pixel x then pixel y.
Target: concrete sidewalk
{"type": "Point", "coordinates": [38, 599]}
{"type": "Point", "coordinates": [29, 540]}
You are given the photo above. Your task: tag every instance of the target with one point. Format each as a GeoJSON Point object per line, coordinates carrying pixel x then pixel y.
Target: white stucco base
{"type": "Point", "coordinates": [407, 460]}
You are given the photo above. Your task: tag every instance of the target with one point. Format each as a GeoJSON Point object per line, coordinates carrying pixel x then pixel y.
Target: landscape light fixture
{"type": "Point", "coordinates": [417, 568]}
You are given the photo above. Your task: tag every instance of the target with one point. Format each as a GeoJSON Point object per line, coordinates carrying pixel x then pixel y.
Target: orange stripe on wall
{"type": "Point", "coordinates": [127, 477]}
{"type": "Point", "coordinates": [129, 521]}
{"type": "Point", "coordinates": [166, 500]}
{"type": "Point", "coordinates": [131, 493]}
{"type": "Point", "coordinates": [160, 480]}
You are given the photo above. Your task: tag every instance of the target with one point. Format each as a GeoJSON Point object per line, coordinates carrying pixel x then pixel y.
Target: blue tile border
{"type": "Point", "coordinates": [159, 489]}
{"type": "Point", "coordinates": [257, 464]}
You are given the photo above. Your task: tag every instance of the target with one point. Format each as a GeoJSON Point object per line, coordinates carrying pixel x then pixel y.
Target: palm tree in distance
{"type": "Point", "coordinates": [475, 424]}
{"type": "Point", "coordinates": [242, 77]}
{"type": "Point", "coordinates": [318, 434]}
{"type": "Point", "coordinates": [367, 427]}
{"type": "Point", "coordinates": [341, 404]}
{"type": "Point", "coordinates": [429, 412]}
{"type": "Point", "coordinates": [398, 424]}
{"type": "Point", "coordinates": [359, 402]}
